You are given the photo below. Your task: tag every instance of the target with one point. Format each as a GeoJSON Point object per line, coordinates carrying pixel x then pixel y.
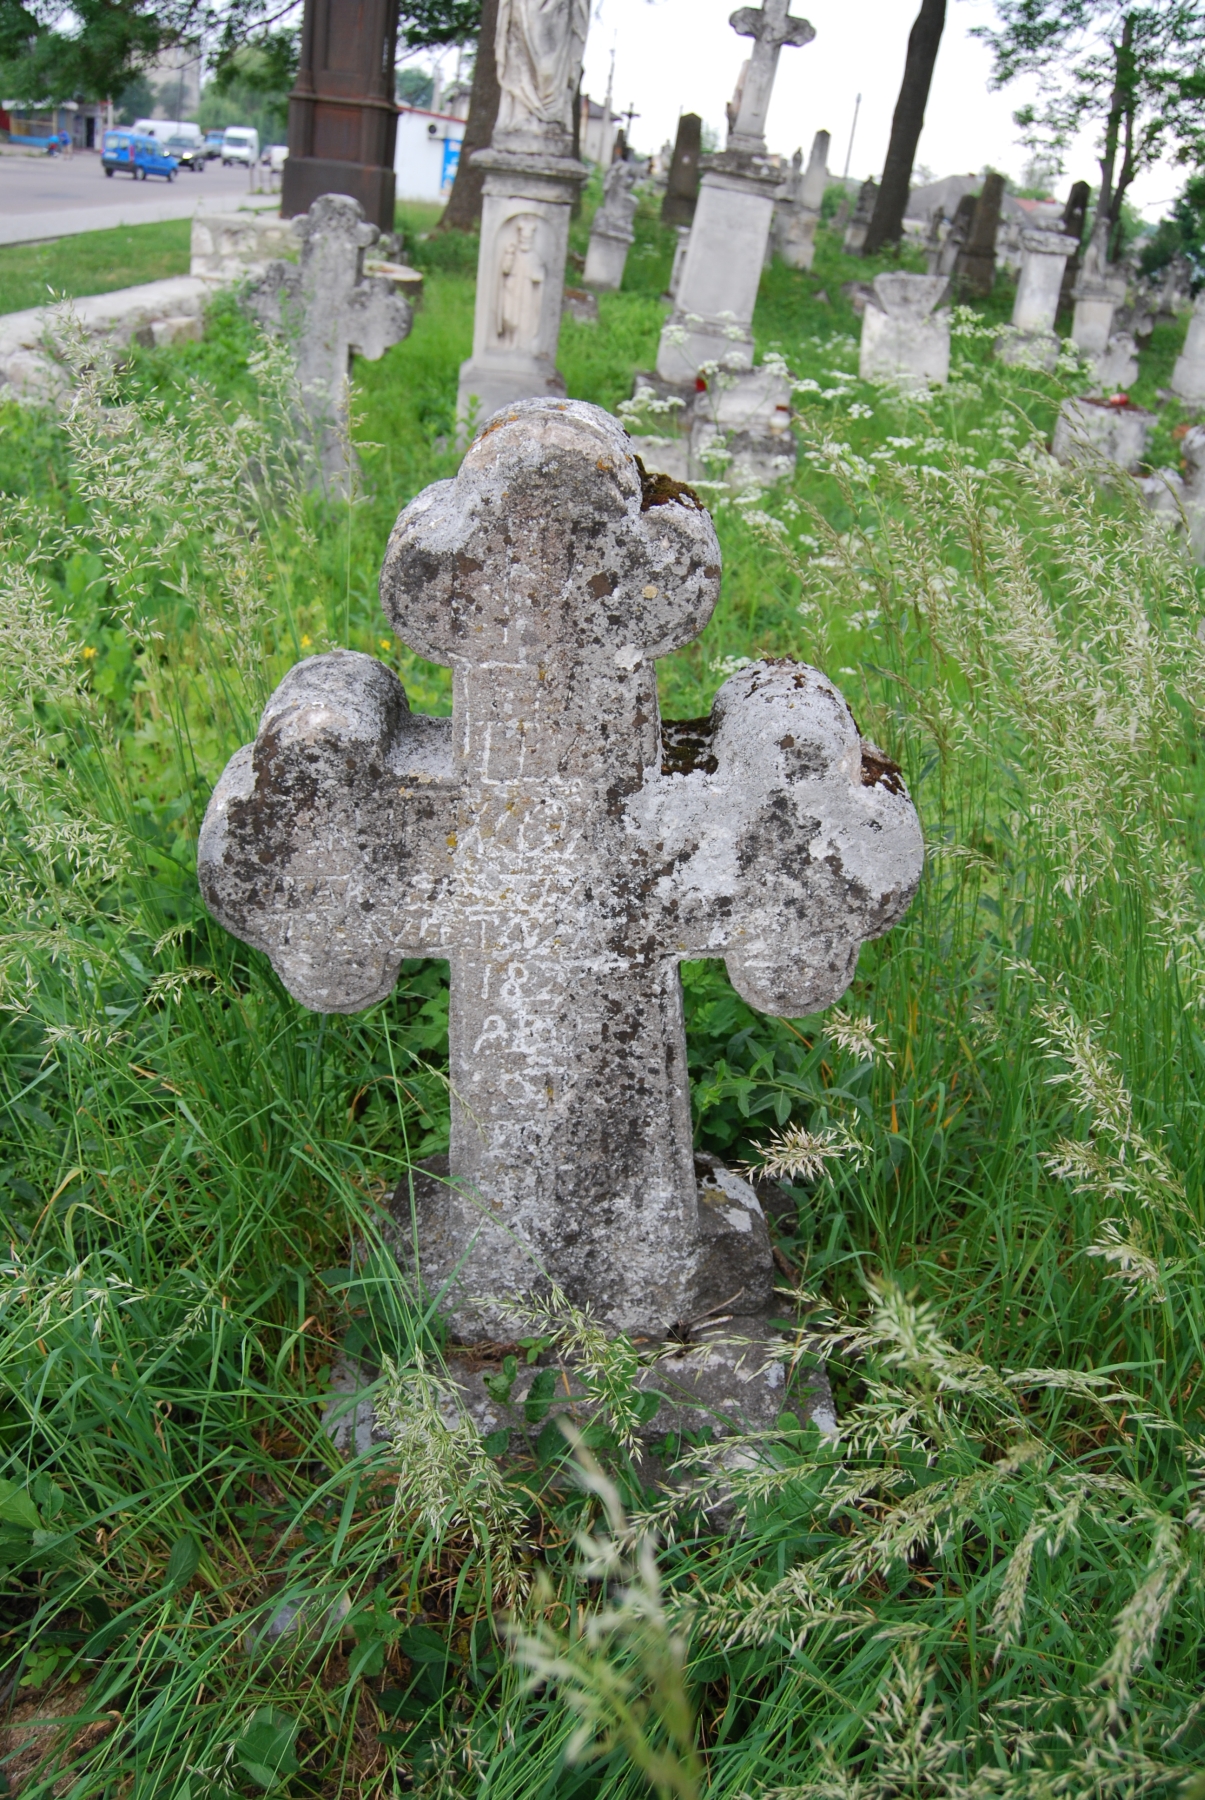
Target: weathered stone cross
{"type": "Point", "coordinates": [564, 851]}
{"type": "Point", "coordinates": [330, 310]}
{"type": "Point", "coordinates": [771, 27]}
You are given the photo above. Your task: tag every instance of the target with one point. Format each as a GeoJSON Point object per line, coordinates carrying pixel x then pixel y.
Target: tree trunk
{"type": "Point", "coordinates": [463, 211]}
{"type": "Point", "coordinates": [1108, 203]}
{"type": "Point", "coordinates": [887, 221]}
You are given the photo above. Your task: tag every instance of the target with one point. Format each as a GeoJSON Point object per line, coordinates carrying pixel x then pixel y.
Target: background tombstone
{"type": "Point", "coordinates": [1179, 498]}
{"type": "Point", "coordinates": [955, 239]}
{"type": "Point", "coordinates": [975, 268]}
{"type": "Point", "coordinates": [903, 340]}
{"type": "Point", "coordinates": [1075, 214]}
{"type": "Point", "coordinates": [531, 180]}
{"type": "Point", "coordinates": [1090, 430]}
{"type": "Point", "coordinates": [675, 273]}
{"type": "Point", "coordinates": [1032, 339]}
{"type": "Point", "coordinates": [342, 113]}
{"type": "Point", "coordinates": [611, 230]}
{"type": "Point", "coordinates": [682, 189]}
{"type": "Point", "coordinates": [1188, 376]}
{"type": "Point", "coordinates": [859, 225]}
{"type": "Point", "coordinates": [565, 852]}
{"type": "Point", "coordinates": [797, 213]}
{"type": "Point", "coordinates": [329, 310]}
{"type": "Point", "coordinates": [713, 313]}
{"type": "Point", "coordinates": [1098, 293]}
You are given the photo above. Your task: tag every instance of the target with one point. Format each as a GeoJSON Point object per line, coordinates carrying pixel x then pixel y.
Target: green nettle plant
{"type": "Point", "coordinates": [984, 1578]}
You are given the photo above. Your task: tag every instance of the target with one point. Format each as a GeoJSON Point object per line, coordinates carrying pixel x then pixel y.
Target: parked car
{"type": "Point", "coordinates": [274, 157]}
{"type": "Point", "coordinates": [213, 144]}
{"type": "Point", "coordinates": [188, 154]}
{"type": "Point", "coordinates": [135, 155]}
{"type": "Point", "coordinates": [240, 144]}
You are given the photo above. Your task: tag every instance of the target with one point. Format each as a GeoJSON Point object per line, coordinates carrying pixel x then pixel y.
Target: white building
{"type": "Point", "coordinates": [428, 151]}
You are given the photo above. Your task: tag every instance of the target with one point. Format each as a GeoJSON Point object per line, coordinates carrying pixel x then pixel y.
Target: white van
{"type": "Point", "coordinates": [240, 145]}
{"type": "Point", "coordinates": [162, 129]}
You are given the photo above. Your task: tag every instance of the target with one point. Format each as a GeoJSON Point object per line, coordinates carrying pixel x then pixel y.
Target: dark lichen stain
{"type": "Point", "coordinates": [663, 490]}
{"type": "Point", "coordinates": [878, 769]}
{"type": "Point", "coordinates": [686, 747]}
{"type": "Point", "coordinates": [602, 584]}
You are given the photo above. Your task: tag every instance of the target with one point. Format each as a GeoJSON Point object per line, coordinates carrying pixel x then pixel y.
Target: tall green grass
{"type": "Point", "coordinates": [990, 1583]}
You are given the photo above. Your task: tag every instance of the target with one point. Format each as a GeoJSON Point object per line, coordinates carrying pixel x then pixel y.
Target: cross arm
{"type": "Point", "coordinates": [754, 22]}
{"type": "Point", "coordinates": [782, 840]}
{"type": "Point", "coordinates": [377, 317]}
{"type": "Point", "coordinates": [326, 842]}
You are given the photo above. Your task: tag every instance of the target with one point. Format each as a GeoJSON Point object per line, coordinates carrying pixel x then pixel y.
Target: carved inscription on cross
{"type": "Point", "coordinates": [564, 852]}
{"type": "Point", "coordinates": [330, 310]}
{"type": "Point", "coordinates": [771, 26]}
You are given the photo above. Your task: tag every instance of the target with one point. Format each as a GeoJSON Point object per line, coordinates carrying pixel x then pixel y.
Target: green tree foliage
{"type": "Point", "coordinates": [415, 87]}
{"type": "Point", "coordinates": [251, 85]}
{"type": "Point", "coordinates": [1182, 233]}
{"type": "Point", "coordinates": [1136, 72]}
{"type": "Point", "coordinates": [428, 24]}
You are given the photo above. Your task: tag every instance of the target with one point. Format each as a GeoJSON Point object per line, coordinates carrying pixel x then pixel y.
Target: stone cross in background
{"type": "Point", "coordinates": [712, 320]}
{"type": "Point", "coordinates": [531, 181]}
{"type": "Point", "coordinates": [770, 26]}
{"type": "Point", "coordinates": [611, 230]}
{"type": "Point", "coordinates": [682, 188]}
{"type": "Point", "coordinates": [564, 851]}
{"type": "Point", "coordinates": [329, 310]}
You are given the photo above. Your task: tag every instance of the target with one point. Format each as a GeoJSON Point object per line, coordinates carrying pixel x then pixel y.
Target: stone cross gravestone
{"type": "Point", "coordinates": [611, 230]}
{"type": "Point", "coordinates": [954, 243]}
{"type": "Point", "coordinates": [712, 320]}
{"type": "Point", "coordinates": [682, 188]}
{"type": "Point", "coordinates": [564, 851]}
{"type": "Point", "coordinates": [903, 340]}
{"type": "Point", "coordinates": [1074, 216]}
{"type": "Point", "coordinates": [532, 179]}
{"type": "Point", "coordinates": [329, 310]}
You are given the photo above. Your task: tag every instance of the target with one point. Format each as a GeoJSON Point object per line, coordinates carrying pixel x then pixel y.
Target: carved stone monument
{"type": "Point", "coordinates": [1098, 293]}
{"type": "Point", "coordinates": [904, 340]}
{"type": "Point", "coordinates": [531, 181]}
{"type": "Point", "coordinates": [564, 850]}
{"type": "Point", "coordinates": [954, 243]}
{"type": "Point", "coordinates": [329, 310]}
{"type": "Point", "coordinates": [713, 309]}
{"type": "Point", "coordinates": [611, 231]}
{"type": "Point", "coordinates": [1032, 340]}
{"type": "Point", "coordinates": [682, 188]}
{"type": "Point", "coordinates": [1188, 376]}
{"type": "Point", "coordinates": [975, 269]}
{"type": "Point", "coordinates": [342, 113]}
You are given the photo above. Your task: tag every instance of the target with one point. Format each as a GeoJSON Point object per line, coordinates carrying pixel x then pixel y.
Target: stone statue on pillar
{"type": "Point", "coordinates": [531, 181]}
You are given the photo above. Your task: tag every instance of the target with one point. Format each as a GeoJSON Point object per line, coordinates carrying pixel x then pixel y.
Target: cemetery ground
{"type": "Point", "coordinates": [991, 1581]}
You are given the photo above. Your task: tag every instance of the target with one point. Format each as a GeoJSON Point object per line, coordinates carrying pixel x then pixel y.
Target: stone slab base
{"type": "Point", "coordinates": [488, 385]}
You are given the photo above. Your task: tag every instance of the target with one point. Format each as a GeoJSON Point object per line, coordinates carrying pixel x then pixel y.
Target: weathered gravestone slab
{"type": "Point", "coordinates": [1090, 431]}
{"type": "Point", "coordinates": [612, 231]}
{"type": "Point", "coordinates": [797, 213]}
{"type": "Point", "coordinates": [975, 268]}
{"type": "Point", "coordinates": [903, 339]}
{"type": "Point", "coordinates": [564, 851]}
{"type": "Point", "coordinates": [1178, 496]}
{"type": "Point", "coordinates": [330, 310]}
{"type": "Point", "coordinates": [682, 187]}
{"type": "Point", "coordinates": [859, 225]}
{"type": "Point", "coordinates": [1188, 376]}
{"type": "Point", "coordinates": [1032, 340]}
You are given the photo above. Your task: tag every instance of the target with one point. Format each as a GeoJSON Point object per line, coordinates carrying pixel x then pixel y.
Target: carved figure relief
{"type": "Point", "coordinates": [522, 274]}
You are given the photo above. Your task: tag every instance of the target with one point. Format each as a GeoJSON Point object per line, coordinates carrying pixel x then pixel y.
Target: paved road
{"type": "Point", "coordinates": [52, 196]}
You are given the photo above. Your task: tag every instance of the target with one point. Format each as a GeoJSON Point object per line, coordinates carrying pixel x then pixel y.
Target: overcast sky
{"type": "Point", "coordinates": [674, 56]}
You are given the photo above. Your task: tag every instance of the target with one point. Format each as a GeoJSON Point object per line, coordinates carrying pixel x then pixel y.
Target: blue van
{"type": "Point", "coordinates": [136, 155]}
